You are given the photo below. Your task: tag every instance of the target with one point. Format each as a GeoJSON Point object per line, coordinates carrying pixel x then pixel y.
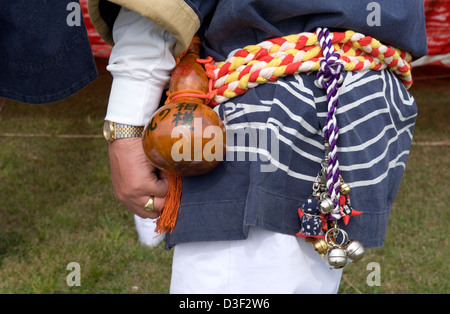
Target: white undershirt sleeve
{"type": "Point", "coordinates": [140, 63]}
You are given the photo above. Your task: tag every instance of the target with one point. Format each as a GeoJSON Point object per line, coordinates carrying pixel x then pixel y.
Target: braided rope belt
{"type": "Point", "coordinates": [302, 53]}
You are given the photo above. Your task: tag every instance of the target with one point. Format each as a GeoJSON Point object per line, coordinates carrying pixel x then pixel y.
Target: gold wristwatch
{"type": "Point", "coordinates": [113, 131]}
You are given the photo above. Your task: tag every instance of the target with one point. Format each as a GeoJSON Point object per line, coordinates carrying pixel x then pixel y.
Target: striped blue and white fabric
{"type": "Point", "coordinates": [275, 146]}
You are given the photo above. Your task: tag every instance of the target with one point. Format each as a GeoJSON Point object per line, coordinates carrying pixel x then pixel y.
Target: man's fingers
{"type": "Point", "coordinates": [134, 178]}
{"type": "Point", "coordinates": [156, 187]}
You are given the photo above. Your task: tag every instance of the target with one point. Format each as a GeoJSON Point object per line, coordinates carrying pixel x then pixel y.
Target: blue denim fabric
{"type": "Point", "coordinates": [227, 25]}
{"type": "Point", "coordinates": [42, 58]}
{"type": "Point", "coordinates": [233, 24]}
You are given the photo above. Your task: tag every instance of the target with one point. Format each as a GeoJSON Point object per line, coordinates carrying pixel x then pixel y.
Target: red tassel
{"type": "Point", "coordinates": [168, 218]}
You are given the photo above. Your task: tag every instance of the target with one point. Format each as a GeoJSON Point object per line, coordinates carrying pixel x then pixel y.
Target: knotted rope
{"type": "Point", "coordinates": [209, 66]}
{"type": "Point", "coordinates": [330, 78]}
{"type": "Point", "coordinates": [302, 53]}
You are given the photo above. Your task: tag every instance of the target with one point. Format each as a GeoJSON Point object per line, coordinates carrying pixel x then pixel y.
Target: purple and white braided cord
{"type": "Point", "coordinates": [330, 78]}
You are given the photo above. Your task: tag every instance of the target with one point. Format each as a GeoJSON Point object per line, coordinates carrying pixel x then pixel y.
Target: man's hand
{"type": "Point", "coordinates": [134, 178]}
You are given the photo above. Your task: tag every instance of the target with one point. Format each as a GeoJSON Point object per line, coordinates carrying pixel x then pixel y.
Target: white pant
{"type": "Point", "coordinates": [266, 262]}
{"type": "Point", "coordinates": [146, 231]}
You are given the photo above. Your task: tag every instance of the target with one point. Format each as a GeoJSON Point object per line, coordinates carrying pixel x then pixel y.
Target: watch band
{"type": "Point", "coordinates": [127, 131]}
{"type": "Point", "coordinates": [113, 131]}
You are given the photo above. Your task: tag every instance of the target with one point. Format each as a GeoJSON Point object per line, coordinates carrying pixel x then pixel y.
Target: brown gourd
{"type": "Point", "coordinates": [175, 140]}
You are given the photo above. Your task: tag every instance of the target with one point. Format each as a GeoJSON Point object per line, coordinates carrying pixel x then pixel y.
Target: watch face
{"type": "Point", "coordinates": [107, 131]}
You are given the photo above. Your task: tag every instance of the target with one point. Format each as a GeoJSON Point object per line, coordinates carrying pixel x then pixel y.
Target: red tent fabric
{"type": "Point", "coordinates": [100, 49]}
{"type": "Point", "coordinates": [438, 22]}
{"type": "Point", "coordinates": [437, 17]}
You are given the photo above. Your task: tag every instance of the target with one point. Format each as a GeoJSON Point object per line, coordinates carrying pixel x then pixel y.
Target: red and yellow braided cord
{"type": "Point", "coordinates": [301, 53]}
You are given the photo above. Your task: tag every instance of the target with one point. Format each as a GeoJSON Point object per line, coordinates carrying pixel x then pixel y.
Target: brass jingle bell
{"type": "Point", "coordinates": [355, 250]}
{"type": "Point", "coordinates": [344, 188]}
{"type": "Point", "coordinates": [326, 204]}
{"type": "Point", "coordinates": [337, 257]}
{"type": "Point", "coordinates": [321, 246]}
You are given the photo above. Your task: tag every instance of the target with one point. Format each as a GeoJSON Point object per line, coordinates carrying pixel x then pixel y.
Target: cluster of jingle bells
{"type": "Point", "coordinates": [319, 217]}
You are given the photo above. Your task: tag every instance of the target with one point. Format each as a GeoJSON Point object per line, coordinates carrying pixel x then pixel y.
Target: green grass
{"type": "Point", "coordinates": [59, 209]}
{"type": "Point", "coordinates": [57, 206]}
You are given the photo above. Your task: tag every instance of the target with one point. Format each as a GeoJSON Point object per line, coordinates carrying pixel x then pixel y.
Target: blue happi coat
{"type": "Point", "coordinates": [45, 53]}
{"type": "Point", "coordinates": [263, 181]}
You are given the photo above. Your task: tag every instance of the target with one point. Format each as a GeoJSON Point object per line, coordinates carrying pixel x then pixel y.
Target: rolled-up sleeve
{"type": "Point", "coordinates": [140, 63]}
{"type": "Point", "coordinates": [179, 17]}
